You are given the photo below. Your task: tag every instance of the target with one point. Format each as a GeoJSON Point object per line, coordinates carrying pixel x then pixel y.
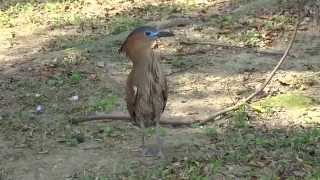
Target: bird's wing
{"type": "Point", "coordinates": [165, 93]}
{"type": "Point", "coordinates": [132, 94]}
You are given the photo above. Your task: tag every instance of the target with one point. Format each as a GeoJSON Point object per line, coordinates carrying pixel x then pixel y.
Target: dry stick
{"type": "Point", "coordinates": [183, 70]}
{"type": "Point", "coordinates": [212, 117]}
{"type": "Point", "coordinates": [173, 22]}
{"type": "Point", "coordinates": [226, 46]}
{"type": "Point", "coordinates": [100, 117]}
{"type": "Point", "coordinates": [259, 90]}
{"type": "Point", "coordinates": [124, 118]}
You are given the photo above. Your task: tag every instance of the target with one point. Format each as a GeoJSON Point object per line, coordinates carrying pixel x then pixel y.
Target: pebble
{"type": "Point", "coordinates": [74, 98]}
{"type": "Point", "coordinates": [39, 109]}
{"type": "Point", "coordinates": [100, 64]}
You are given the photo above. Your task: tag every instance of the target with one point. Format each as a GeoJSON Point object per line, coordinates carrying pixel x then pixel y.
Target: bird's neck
{"type": "Point", "coordinates": [143, 59]}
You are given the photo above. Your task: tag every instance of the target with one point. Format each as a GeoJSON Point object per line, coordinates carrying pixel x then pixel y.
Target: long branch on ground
{"type": "Point", "coordinates": [262, 86]}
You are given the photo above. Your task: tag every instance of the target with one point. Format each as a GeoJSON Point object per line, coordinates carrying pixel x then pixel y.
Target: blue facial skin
{"type": "Point", "coordinates": [152, 35]}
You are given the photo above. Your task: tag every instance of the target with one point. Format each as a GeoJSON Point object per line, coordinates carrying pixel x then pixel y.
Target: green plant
{"type": "Point", "coordinates": [241, 117]}
{"type": "Point", "coordinates": [216, 166]}
{"type": "Point", "coordinates": [106, 104]}
{"type": "Point", "coordinates": [291, 101]}
{"type": "Point", "coordinates": [151, 131]}
{"type": "Point", "coordinates": [211, 132]}
{"type": "Point", "coordinates": [178, 63]}
{"type": "Point", "coordinates": [109, 131]}
{"type": "Point", "coordinates": [75, 77]}
{"type": "Point", "coordinates": [73, 139]}
{"type": "Point", "coordinates": [123, 23]}
{"type": "Point", "coordinates": [90, 177]}
{"type": "Point", "coordinates": [56, 81]}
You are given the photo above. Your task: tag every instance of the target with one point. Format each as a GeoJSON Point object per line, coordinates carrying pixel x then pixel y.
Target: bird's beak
{"type": "Point", "coordinates": [165, 34]}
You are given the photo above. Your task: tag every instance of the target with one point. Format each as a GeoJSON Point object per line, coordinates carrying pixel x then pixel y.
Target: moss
{"type": "Point", "coordinates": [291, 101]}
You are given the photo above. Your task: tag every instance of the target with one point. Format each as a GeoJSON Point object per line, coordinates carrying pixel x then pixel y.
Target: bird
{"type": "Point", "coordinates": [146, 88]}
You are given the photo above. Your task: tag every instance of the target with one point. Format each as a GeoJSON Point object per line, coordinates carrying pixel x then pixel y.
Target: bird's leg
{"type": "Point", "coordinates": [158, 139]}
{"type": "Point", "coordinates": [143, 130]}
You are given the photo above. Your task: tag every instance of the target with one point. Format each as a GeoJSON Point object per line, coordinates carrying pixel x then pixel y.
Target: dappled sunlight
{"type": "Point", "coordinates": [63, 56]}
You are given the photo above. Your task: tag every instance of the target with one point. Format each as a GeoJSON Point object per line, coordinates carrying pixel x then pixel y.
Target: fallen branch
{"type": "Point", "coordinates": [226, 46]}
{"type": "Point", "coordinates": [183, 69]}
{"type": "Point", "coordinates": [99, 117]}
{"type": "Point", "coordinates": [213, 117]}
{"type": "Point", "coordinates": [125, 117]}
{"type": "Point", "coordinates": [174, 22]}
{"type": "Point", "coordinates": [260, 89]}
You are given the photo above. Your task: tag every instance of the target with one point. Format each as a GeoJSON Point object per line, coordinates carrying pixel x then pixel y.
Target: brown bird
{"type": "Point", "coordinates": [147, 89]}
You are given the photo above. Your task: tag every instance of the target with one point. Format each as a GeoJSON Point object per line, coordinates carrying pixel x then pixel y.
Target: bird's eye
{"type": "Point", "coordinates": [148, 33]}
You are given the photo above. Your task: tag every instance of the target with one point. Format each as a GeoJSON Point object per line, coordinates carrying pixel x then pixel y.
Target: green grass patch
{"type": "Point", "coordinates": [94, 178]}
{"type": "Point", "coordinates": [303, 138]}
{"type": "Point", "coordinates": [123, 23]}
{"type": "Point", "coordinates": [56, 81]}
{"type": "Point", "coordinates": [211, 132]}
{"type": "Point", "coordinates": [289, 101]}
{"type": "Point", "coordinates": [179, 62]}
{"type": "Point", "coordinates": [216, 166]}
{"type": "Point", "coordinates": [165, 8]}
{"type": "Point", "coordinates": [75, 77]}
{"type": "Point", "coordinates": [72, 43]}
{"type": "Point", "coordinates": [241, 117]}
{"type": "Point", "coordinates": [55, 14]}
{"type": "Point", "coordinates": [105, 104]}
{"type": "Point", "coordinates": [152, 131]}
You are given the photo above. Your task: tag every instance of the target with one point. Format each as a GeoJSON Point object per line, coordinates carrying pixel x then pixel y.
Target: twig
{"type": "Point", "coordinates": [259, 90]}
{"type": "Point", "coordinates": [183, 69]}
{"type": "Point", "coordinates": [125, 117]}
{"type": "Point", "coordinates": [226, 46]}
{"type": "Point", "coordinates": [100, 117]}
{"type": "Point", "coordinates": [173, 22]}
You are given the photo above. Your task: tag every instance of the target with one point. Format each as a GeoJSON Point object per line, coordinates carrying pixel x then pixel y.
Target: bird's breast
{"type": "Point", "coordinates": [148, 102]}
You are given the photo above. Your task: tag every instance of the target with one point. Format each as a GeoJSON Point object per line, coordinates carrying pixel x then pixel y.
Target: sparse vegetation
{"type": "Point", "coordinates": [104, 105]}
{"type": "Point", "coordinates": [291, 101]}
{"type": "Point", "coordinates": [62, 56]}
{"type": "Point", "coordinates": [241, 117]}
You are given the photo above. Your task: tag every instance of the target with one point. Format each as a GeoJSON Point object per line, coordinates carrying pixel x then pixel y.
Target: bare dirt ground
{"type": "Point", "coordinates": [48, 66]}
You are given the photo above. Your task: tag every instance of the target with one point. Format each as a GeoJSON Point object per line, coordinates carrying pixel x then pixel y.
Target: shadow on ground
{"type": "Point", "coordinates": [49, 67]}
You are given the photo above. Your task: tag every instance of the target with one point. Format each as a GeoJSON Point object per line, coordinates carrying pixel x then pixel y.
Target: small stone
{"type": "Point", "coordinates": [302, 88]}
{"type": "Point", "coordinates": [39, 109]}
{"type": "Point", "coordinates": [37, 95]}
{"type": "Point", "coordinates": [74, 98]}
{"type": "Point", "coordinates": [100, 64]}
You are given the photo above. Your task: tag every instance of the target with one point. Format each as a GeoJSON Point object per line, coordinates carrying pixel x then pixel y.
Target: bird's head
{"type": "Point", "coordinates": [141, 39]}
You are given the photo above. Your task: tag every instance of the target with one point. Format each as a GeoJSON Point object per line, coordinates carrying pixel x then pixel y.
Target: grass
{"type": "Point", "coordinates": [249, 152]}
{"type": "Point", "coordinates": [124, 23]}
{"type": "Point", "coordinates": [94, 178]}
{"type": "Point", "coordinates": [152, 131]}
{"type": "Point", "coordinates": [73, 78]}
{"type": "Point", "coordinates": [52, 13]}
{"type": "Point", "coordinates": [239, 150]}
{"type": "Point", "coordinates": [211, 132]}
{"type": "Point", "coordinates": [105, 104]}
{"type": "Point", "coordinates": [250, 30]}
{"type": "Point", "coordinates": [290, 101]}
{"type": "Point", "coordinates": [240, 117]}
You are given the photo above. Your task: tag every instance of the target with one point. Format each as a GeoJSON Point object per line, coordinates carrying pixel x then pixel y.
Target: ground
{"type": "Point", "coordinates": [61, 57]}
